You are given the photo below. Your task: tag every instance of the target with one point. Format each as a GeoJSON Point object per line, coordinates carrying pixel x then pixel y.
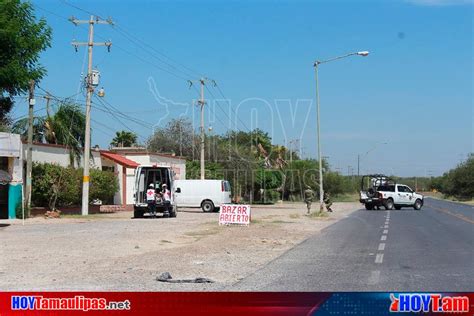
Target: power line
{"type": "Point", "coordinates": [118, 119]}
{"type": "Point", "coordinates": [125, 33]}
{"type": "Point", "coordinates": [230, 105]}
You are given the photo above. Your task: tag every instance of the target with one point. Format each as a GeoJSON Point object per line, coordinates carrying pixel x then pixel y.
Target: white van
{"type": "Point", "coordinates": [156, 175]}
{"type": "Point", "coordinates": [206, 194]}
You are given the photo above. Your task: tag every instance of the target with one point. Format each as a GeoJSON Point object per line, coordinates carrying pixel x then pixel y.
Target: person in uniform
{"type": "Point", "coordinates": [327, 201]}
{"type": "Point", "coordinates": [151, 199]}
{"type": "Point", "coordinates": [308, 198]}
{"type": "Point", "coordinates": [166, 194]}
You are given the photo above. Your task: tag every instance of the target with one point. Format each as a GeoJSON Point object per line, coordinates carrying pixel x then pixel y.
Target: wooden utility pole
{"type": "Point", "coordinates": [29, 148]}
{"type": "Point", "coordinates": [90, 85]}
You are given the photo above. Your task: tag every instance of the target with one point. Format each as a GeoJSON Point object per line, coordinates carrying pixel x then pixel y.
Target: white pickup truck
{"type": "Point", "coordinates": [398, 196]}
{"type": "Point", "coordinates": [379, 190]}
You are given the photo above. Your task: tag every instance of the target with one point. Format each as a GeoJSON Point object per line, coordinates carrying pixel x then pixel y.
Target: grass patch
{"type": "Point", "coordinates": [318, 215]}
{"type": "Point", "coordinates": [255, 221]}
{"type": "Point", "coordinates": [294, 216]}
{"type": "Point", "coordinates": [353, 197]}
{"type": "Point", "coordinates": [165, 241]}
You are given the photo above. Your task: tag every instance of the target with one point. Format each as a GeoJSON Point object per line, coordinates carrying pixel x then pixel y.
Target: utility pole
{"type": "Point", "coordinates": [358, 165]}
{"type": "Point", "coordinates": [29, 152]}
{"type": "Point", "coordinates": [201, 103]}
{"type": "Point", "coordinates": [91, 83]}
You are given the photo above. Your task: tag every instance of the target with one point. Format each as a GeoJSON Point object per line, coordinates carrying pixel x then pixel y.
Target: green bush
{"type": "Point", "coordinates": [104, 185]}
{"type": "Point", "coordinates": [55, 186]}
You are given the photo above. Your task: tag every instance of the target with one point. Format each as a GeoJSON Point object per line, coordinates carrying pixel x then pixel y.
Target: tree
{"type": "Point", "coordinates": [65, 127]}
{"type": "Point", "coordinates": [176, 137]}
{"type": "Point", "coordinates": [458, 182]}
{"type": "Point", "coordinates": [22, 39]}
{"type": "Point", "coordinates": [124, 139]}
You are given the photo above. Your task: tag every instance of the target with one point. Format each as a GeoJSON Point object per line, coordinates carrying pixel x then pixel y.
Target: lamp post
{"type": "Point", "coordinates": [316, 66]}
{"type": "Point", "coordinates": [368, 151]}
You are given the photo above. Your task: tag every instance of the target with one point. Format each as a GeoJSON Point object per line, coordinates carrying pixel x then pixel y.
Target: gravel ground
{"type": "Point", "coordinates": [115, 252]}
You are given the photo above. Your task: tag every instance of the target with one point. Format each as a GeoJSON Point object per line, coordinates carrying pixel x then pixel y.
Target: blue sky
{"type": "Point", "coordinates": [414, 91]}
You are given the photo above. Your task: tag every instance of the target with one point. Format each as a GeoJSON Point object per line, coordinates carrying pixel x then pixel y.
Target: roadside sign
{"type": "Point", "coordinates": [237, 214]}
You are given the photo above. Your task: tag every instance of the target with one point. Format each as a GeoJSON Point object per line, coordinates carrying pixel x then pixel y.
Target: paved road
{"type": "Point", "coordinates": [406, 250]}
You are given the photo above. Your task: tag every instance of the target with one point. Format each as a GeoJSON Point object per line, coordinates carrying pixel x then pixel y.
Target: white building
{"type": "Point", "coordinates": [11, 174]}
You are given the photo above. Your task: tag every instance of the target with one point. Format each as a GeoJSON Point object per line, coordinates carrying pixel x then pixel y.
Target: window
{"type": "Point", "coordinates": [402, 188]}
{"type": "Point", "coordinates": [108, 168]}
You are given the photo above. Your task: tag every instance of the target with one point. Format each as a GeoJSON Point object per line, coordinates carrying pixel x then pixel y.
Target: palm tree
{"type": "Point", "coordinates": [65, 127]}
{"type": "Point", "coordinates": [124, 139]}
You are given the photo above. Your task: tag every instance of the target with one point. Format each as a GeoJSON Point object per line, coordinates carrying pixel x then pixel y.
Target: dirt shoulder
{"type": "Point", "coordinates": [115, 252]}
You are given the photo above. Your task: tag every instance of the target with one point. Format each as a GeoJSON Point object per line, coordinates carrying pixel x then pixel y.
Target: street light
{"type": "Point", "coordinates": [368, 151]}
{"type": "Point", "coordinates": [316, 65]}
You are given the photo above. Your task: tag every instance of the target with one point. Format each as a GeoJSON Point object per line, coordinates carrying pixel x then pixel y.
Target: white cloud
{"type": "Point", "coordinates": [440, 2]}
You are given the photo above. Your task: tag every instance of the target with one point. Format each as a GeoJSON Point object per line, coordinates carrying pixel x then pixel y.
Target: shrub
{"type": "Point", "coordinates": [104, 185]}
{"type": "Point", "coordinates": [55, 186]}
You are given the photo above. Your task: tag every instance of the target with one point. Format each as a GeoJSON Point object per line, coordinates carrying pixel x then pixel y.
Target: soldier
{"type": "Point", "coordinates": [308, 197]}
{"type": "Point", "coordinates": [327, 201]}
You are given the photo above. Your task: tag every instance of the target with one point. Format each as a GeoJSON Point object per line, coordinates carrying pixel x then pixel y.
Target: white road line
{"type": "Point", "coordinates": [385, 231]}
{"type": "Point", "coordinates": [379, 258]}
{"type": "Point", "coordinates": [386, 226]}
{"type": "Point", "coordinates": [374, 277]}
{"type": "Point", "coordinates": [381, 246]}
{"type": "Point", "coordinates": [384, 237]}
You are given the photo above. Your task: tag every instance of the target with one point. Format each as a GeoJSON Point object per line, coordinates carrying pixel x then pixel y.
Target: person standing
{"type": "Point", "coordinates": [166, 194]}
{"type": "Point", "coordinates": [151, 199]}
{"type": "Point", "coordinates": [308, 198]}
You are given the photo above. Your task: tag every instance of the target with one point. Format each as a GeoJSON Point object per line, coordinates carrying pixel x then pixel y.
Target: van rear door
{"type": "Point", "coordinates": [139, 193]}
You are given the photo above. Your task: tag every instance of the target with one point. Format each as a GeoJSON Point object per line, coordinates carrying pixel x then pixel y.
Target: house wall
{"type": "Point", "coordinates": [11, 147]}
{"type": "Point", "coordinates": [178, 165]}
{"type": "Point", "coordinates": [58, 154]}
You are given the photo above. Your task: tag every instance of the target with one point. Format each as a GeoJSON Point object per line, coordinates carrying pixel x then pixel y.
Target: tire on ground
{"type": "Point", "coordinates": [207, 206]}
{"type": "Point", "coordinates": [418, 204]}
{"type": "Point", "coordinates": [174, 211]}
{"type": "Point", "coordinates": [389, 204]}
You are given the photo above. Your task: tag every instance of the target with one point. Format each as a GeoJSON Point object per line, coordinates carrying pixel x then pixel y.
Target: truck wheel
{"type": "Point", "coordinates": [389, 204]}
{"type": "Point", "coordinates": [174, 211]}
{"type": "Point", "coordinates": [207, 206]}
{"type": "Point", "coordinates": [137, 214]}
{"type": "Point", "coordinates": [369, 206]}
{"type": "Point", "coordinates": [418, 204]}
